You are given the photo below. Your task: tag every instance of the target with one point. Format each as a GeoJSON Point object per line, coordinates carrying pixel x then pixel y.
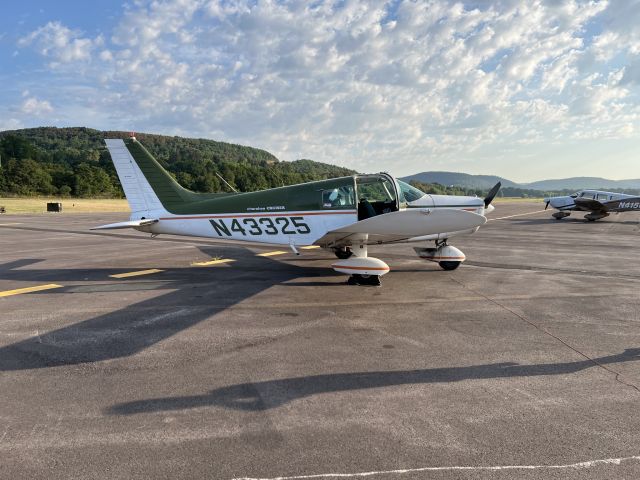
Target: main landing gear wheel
{"type": "Point", "coordinates": [448, 265]}
{"type": "Point", "coordinates": [370, 280]}
{"type": "Point", "coordinates": [448, 257]}
{"type": "Point", "coordinates": [343, 253]}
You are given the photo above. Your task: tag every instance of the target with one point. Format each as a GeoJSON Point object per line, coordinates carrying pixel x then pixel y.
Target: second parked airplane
{"type": "Point", "coordinates": [599, 204]}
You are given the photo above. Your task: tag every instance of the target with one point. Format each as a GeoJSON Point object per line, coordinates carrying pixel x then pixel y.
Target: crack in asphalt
{"type": "Point", "coordinates": [618, 376]}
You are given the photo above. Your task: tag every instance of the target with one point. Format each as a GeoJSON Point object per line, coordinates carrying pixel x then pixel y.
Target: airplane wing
{"type": "Point", "coordinates": [130, 224]}
{"type": "Point", "coordinates": [402, 225]}
{"type": "Point", "coordinates": [590, 205]}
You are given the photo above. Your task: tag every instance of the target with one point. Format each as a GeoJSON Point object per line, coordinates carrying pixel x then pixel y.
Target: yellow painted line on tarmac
{"type": "Point", "coordinates": [271, 254]}
{"type": "Point", "coordinates": [213, 262]}
{"type": "Point", "coordinates": [310, 247]}
{"type": "Point", "coordinates": [9, 224]}
{"type": "Point", "coordinates": [38, 288]}
{"type": "Point", "coordinates": [135, 274]}
{"type": "Point", "coordinates": [518, 215]}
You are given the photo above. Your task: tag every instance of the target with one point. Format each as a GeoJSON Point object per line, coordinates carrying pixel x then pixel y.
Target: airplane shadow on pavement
{"type": "Point", "coordinates": [195, 294]}
{"type": "Point", "coordinates": [275, 393]}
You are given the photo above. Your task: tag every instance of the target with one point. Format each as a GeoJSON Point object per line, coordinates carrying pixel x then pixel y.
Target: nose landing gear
{"type": "Point", "coordinates": [560, 215]}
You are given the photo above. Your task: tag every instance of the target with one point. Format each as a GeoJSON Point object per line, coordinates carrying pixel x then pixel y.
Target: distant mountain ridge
{"type": "Point", "coordinates": [487, 181]}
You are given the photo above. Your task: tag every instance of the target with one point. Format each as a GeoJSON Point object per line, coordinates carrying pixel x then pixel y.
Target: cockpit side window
{"type": "Point", "coordinates": [410, 193]}
{"type": "Point", "coordinates": [376, 195]}
{"type": "Point", "coordinates": [376, 189]}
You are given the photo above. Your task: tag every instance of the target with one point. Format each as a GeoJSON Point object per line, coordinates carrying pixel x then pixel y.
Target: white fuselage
{"type": "Point", "coordinates": [297, 228]}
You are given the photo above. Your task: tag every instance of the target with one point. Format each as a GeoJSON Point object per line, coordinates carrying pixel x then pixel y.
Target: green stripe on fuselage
{"type": "Point", "coordinates": [180, 201]}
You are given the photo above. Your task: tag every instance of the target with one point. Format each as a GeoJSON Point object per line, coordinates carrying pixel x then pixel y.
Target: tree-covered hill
{"type": "Point", "coordinates": [508, 191]}
{"type": "Point", "coordinates": [466, 181]}
{"type": "Point", "coordinates": [74, 161]}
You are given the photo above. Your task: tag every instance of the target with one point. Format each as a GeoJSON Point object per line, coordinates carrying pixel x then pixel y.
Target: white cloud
{"type": "Point", "coordinates": [363, 83]}
{"type": "Point", "coordinates": [34, 107]}
{"type": "Point", "coordinates": [58, 42]}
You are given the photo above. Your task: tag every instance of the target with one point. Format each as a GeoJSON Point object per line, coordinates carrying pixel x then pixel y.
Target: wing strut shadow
{"type": "Point", "coordinates": [274, 393]}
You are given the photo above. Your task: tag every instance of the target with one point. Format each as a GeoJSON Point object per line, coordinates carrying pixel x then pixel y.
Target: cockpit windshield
{"type": "Point", "coordinates": [410, 193]}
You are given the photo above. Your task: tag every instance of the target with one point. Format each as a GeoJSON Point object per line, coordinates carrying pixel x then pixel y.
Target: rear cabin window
{"type": "Point", "coordinates": [339, 197]}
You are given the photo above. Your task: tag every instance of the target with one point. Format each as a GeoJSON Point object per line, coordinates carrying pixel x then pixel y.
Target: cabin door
{"type": "Point", "coordinates": [376, 195]}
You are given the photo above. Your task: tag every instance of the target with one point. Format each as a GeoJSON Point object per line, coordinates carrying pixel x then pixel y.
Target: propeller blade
{"type": "Point", "coordinates": [546, 205]}
{"type": "Point", "coordinates": [491, 195]}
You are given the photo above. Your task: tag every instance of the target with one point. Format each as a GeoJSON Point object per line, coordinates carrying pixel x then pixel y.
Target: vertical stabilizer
{"type": "Point", "coordinates": [139, 193]}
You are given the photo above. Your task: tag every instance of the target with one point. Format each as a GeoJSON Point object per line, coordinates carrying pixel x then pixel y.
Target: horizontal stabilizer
{"type": "Point", "coordinates": [130, 224]}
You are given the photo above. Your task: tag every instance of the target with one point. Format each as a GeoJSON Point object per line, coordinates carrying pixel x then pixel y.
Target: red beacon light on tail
{"type": "Point", "coordinates": [132, 135]}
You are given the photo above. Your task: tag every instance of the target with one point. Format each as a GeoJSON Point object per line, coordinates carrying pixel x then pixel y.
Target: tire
{"type": "Point", "coordinates": [366, 280]}
{"type": "Point", "coordinates": [448, 265]}
{"type": "Point", "coordinates": [374, 280]}
{"type": "Point", "coordinates": [343, 253]}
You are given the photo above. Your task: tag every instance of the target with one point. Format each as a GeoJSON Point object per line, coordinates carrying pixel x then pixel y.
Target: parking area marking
{"type": "Point", "coordinates": [135, 274]}
{"type": "Point", "coordinates": [271, 254]}
{"type": "Point", "coordinates": [310, 247]}
{"type": "Point", "coordinates": [213, 262]}
{"type": "Point", "coordinates": [575, 466]}
{"type": "Point", "coordinates": [38, 288]}
{"type": "Point", "coordinates": [518, 215]}
{"type": "Point", "coordinates": [9, 224]}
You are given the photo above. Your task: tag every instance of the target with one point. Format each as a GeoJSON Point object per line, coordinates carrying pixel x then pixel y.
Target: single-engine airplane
{"type": "Point", "coordinates": [343, 215]}
{"type": "Point", "coordinates": [599, 204]}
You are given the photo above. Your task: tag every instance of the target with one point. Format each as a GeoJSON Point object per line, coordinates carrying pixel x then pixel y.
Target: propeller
{"type": "Point", "coordinates": [491, 195]}
{"type": "Point", "coordinates": [547, 204]}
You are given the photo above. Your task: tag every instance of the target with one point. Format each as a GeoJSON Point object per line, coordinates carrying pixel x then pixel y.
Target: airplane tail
{"type": "Point", "coordinates": [147, 186]}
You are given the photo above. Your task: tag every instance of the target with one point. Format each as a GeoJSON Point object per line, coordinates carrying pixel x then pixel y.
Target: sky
{"type": "Point", "coordinates": [524, 89]}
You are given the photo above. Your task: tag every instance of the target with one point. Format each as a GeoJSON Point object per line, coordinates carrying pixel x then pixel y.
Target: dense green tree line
{"type": "Point", "coordinates": [75, 162]}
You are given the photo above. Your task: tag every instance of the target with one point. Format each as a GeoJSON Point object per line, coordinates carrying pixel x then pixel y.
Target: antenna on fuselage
{"type": "Point", "coordinates": [225, 182]}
